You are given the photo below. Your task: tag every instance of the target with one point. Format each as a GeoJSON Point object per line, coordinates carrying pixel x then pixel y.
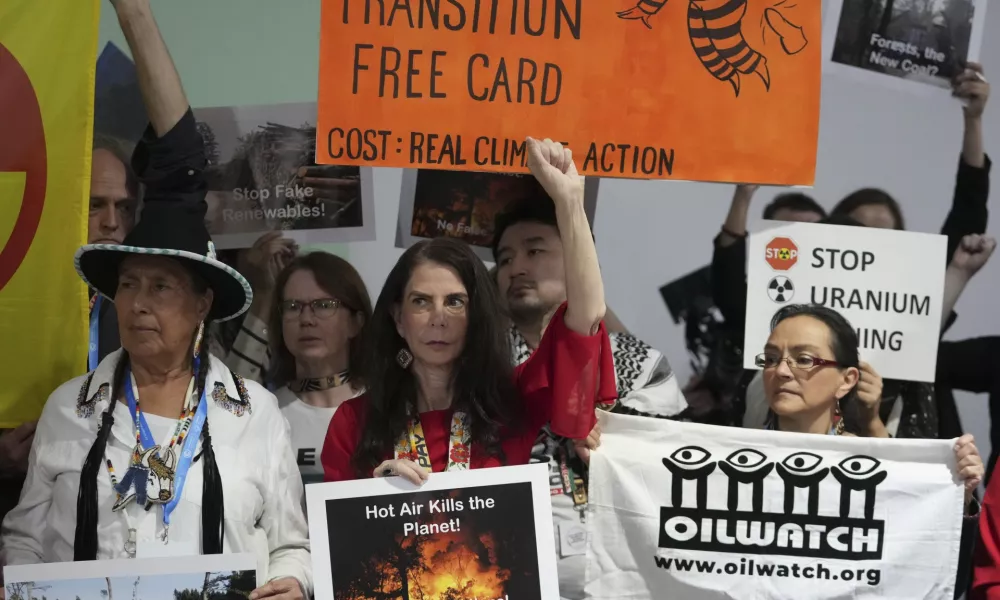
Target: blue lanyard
{"type": "Point", "coordinates": [187, 451]}
{"type": "Point", "coordinates": [187, 456]}
{"type": "Point", "coordinates": [95, 321]}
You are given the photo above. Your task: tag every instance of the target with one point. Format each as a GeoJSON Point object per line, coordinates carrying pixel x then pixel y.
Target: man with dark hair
{"type": "Point", "coordinates": [794, 207]}
{"type": "Point", "coordinates": [528, 251]}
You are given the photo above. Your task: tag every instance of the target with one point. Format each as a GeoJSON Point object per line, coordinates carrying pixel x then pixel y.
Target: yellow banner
{"type": "Point", "coordinates": [47, 62]}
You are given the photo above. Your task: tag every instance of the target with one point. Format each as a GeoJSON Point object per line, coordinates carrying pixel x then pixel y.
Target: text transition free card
{"type": "Point", "coordinates": [711, 90]}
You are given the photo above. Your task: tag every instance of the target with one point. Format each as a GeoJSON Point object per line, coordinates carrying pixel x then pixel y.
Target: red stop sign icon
{"type": "Point", "coordinates": [781, 253]}
{"type": "Point", "coordinates": [22, 151]}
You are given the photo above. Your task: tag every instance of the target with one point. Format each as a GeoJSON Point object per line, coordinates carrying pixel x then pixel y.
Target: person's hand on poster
{"type": "Point", "coordinates": [262, 264]}
{"type": "Point", "coordinates": [969, 464]}
{"type": "Point", "coordinates": [972, 253]}
{"type": "Point", "coordinates": [972, 86]}
{"type": "Point", "coordinates": [401, 467]}
{"type": "Point", "coordinates": [593, 442]}
{"type": "Point", "coordinates": [15, 446]}
{"type": "Point", "coordinates": [286, 588]}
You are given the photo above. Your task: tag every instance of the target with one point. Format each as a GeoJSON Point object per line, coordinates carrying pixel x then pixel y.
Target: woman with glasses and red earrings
{"type": "Point", "coordinates": [319, 309]}
{"type": "Point", "coordinates": [811, 375]}
{"type": "Point", "coordinates": [441, 394]}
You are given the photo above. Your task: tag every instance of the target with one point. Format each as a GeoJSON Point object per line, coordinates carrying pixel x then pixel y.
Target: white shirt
{"type": "Point", "coordinates": [308, 427]}
{"type": "Point", "coordinates": [261, 483]}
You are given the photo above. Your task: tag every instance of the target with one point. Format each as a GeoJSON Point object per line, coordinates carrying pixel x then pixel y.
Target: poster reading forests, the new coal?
{"type": "Point", "coordinates": [711, 90]}
{"type": "Point", "coordinates": [472, 535]}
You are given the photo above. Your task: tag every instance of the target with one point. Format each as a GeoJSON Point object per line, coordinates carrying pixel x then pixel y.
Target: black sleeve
{"type": "Point", "coordinates": [729, 282]}
{"type": "Point", "coordinates": [967, 365]}
{"type": "Point", "coordinates": [969, 213]}
{"type": "Point", "coordinates": [172, 168]}
{"type": "Point", "coordinates": [966, 549]}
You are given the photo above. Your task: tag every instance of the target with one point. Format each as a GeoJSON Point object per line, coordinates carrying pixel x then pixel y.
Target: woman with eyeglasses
{"type": "Point", "coordinates": [319, 309]}
{"type": "Point", "coordinates": [811, 374]}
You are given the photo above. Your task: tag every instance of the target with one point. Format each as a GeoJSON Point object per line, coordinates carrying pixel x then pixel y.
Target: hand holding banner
{"type": "Point", "coordinates": [757, 514]}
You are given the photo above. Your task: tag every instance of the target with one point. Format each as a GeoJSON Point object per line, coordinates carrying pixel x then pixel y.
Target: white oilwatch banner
{"type": "Point", "coordinates": [680, 510]}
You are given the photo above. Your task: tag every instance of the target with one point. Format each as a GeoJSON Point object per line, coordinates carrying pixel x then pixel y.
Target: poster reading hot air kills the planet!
{"type": "Point", "coordinates": [483, 535]}
{"type": "Point", "coordinates": [711, 90]}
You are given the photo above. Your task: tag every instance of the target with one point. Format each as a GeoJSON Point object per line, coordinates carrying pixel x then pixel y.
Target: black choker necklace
{"type": "Point", "coordinates": [315, 384]}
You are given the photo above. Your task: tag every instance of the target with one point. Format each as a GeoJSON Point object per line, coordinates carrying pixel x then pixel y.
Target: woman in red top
{"type": "Point", "coordinates": [441, 394]}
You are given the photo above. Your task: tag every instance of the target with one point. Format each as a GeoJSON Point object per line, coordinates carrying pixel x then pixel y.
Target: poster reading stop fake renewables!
{"type": "Point", "coordinates": [470, 535]}
{"type": "Point", "coordinates": [711, 90]}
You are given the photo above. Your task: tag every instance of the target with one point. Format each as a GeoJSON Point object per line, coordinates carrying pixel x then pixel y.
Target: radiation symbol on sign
{"type": "Point", "coordinates": [780, 290]}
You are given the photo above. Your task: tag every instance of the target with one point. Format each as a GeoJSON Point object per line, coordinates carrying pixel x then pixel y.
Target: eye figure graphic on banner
{"type": "Point", "coordinates": [683, 464]}
{"type": "Point", "coordinates": [715, 28]}
{"type": "Point", "coordinates": [800, 470]}
{"type": "Point", "coordinates": [781, 290]}
{"type": "Point", "coordinates": [857, 473]}
{"type": "Point", "coordinates": [781, 253]}
{"type": "Point", "coordinates": [785, 532]}
{"type": "Point", "coordinates": [746, 466]}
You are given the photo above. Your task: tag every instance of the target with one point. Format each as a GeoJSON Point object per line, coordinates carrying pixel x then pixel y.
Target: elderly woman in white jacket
{"type": "Point", "coordinates": [162, 450]}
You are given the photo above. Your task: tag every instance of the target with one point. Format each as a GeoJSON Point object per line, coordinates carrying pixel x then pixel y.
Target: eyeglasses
{"type": "Point", "coordinates": [322, 308]}
{"type": "Point", "coordinates": [802, 361]}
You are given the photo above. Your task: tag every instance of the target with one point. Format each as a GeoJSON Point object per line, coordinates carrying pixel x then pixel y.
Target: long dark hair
{"type": "Point", "coordinates": [871, 197]}
{"type": "Point", "coordinates": [843, 343]}
{"type": "Point", "coordinates": [336, 277]}
{"type": "Point", "coordinates": [482, 380]}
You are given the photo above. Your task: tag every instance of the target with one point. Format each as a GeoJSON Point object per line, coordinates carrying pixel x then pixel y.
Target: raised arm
{"type": "Point", "coordinates": [969, 212]}
{"type": "Point", "coordinates": [552, 165]}
{"type": "Point", "coordinates": [729, 277]}
{"type": "Point", "coordinates": [161, 88]}
{"type": "Point", "coordinates": [972, 86]}
{"type": "Point", "coordinates": [972, 253]}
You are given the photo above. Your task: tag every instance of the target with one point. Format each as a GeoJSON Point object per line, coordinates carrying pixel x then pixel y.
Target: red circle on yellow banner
{"type": "Point", "coordinates": [22, 152]}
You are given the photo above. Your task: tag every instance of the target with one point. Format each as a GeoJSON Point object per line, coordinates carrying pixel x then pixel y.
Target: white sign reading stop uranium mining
{"type": "Point", "coordinates": [888, 284]}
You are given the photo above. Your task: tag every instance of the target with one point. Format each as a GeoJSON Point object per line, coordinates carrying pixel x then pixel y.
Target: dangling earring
{"type": "Point", "coordinates": [197, 339]}
{"type": "Point", "coordinates": [839, 418]}
{"type": "Point", "coordinates": [404, 358]}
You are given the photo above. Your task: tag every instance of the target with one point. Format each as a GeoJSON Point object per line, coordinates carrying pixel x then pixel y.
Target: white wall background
{"type": "Point", "coordinates": [241, 52]}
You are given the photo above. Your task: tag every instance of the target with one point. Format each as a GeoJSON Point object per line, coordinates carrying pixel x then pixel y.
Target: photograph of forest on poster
{"type": "Point", "coordinates": [922, 40]}
{"type": "Point", "coordinates": [462, 544]}
{"type": "Point", "coordinates": [225, 585]}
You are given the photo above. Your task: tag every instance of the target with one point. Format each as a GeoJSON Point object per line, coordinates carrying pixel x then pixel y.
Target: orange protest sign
{"type": "Point", "coordinates": [712, 90]}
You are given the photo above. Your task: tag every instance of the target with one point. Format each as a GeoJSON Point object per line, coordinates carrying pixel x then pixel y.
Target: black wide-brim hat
{"type": "Point", "coordinates": [177, 234]}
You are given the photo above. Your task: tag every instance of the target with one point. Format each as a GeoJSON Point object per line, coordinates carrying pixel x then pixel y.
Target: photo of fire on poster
{"type": "Point", "coordinates": [467, 535]}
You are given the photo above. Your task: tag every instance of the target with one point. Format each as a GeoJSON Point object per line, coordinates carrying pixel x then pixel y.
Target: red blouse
{"type": "Point", "coordinates": [560, 384]}
{"type": "Point", "coordinates": [986, 560]}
